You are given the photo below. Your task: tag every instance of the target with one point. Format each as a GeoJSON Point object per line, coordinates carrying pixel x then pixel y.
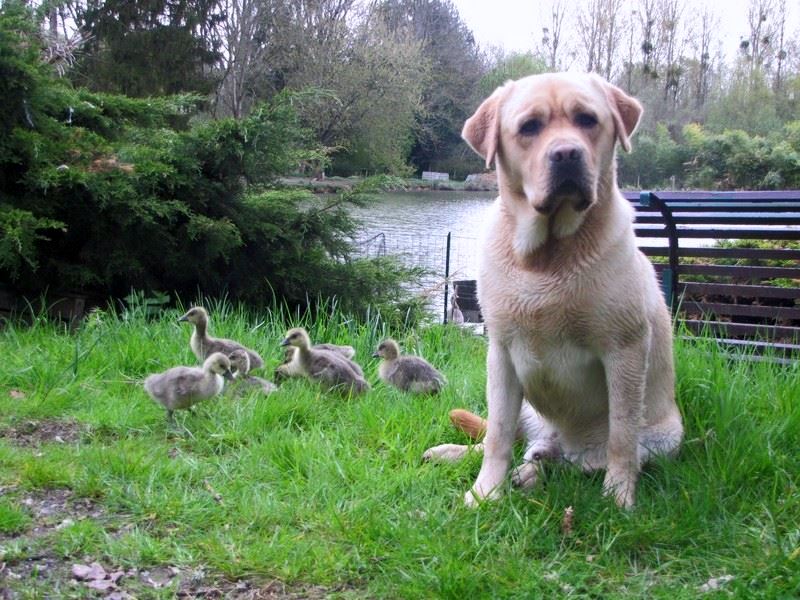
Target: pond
{"type": "Point", "coordinates": [414, 225]}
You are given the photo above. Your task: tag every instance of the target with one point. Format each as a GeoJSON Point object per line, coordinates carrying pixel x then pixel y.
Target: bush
{"type": "Point", "coordinates": [735, 159]}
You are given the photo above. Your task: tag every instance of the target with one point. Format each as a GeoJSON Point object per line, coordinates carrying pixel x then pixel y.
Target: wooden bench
{"type": "Point", "coordinates": [716, 273]}
{"type": "Point", "coordinates": [716, 276]}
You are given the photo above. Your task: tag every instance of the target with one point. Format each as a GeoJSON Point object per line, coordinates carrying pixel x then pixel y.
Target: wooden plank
{"type": "Point", "coordinates": [728, 218]}
{"type": "Point", "coordinates": [740, 310]}
{"type": "Point", "coordinates": [764, 332]}
{"type": "Point", "coordinates": [724, 206]}
{"type": "Point", "coordinates": [761, 346]}
{"type": "Point", "coordinates": [654, 250]}
{"type": "Point", "coordinates": [733, 196]}
{"type": "Point", "coordinates": [742, 271]}
{"type": "Point", "coordinates": [776, 233]}
{"type": "Point", "coordinates": [737, 290]}
{"type": "Point", "coordinates": [749, 253]}
{"type": "Point", "coordinates": [751, 350]}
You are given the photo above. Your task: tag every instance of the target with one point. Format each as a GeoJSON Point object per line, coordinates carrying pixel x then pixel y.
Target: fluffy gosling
{"type": "Point", "coordinates": [182, 387]}
{"type": "Point", "coordinates": [407, 373]}
{"type": "Point", "coordinates": [290, 367]}
{"type": "Point", "coordinates": [327, 367]}
{"type": "Point", "coordinates": [203, 344]}
{"type": "Point", "coordinates": [240, 367]}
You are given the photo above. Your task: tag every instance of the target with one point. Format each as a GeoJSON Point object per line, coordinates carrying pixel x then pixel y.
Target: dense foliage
{"type": "Point", "coordinates": [732, 159]}
{"type": "Point", "coordinates": [386, 85]}
{"type": "Point", "coordinates": [100, 193]}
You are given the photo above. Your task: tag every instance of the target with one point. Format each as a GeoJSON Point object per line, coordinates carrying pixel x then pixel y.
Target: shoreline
{"type": "Point", "coordinates": [332, 185]}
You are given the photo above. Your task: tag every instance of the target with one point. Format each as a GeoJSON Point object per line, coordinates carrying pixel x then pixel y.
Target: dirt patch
{"type": "Point", "coordinates": [28, 563]}
{"type": "Point", "coordinates": [59, 508]}
{"type": "Point", "coordinates": [62, 577]}
{"type": "Point", "coordinates": [53, 509]}
{"type": "Point", "coordinates": [31, 434]}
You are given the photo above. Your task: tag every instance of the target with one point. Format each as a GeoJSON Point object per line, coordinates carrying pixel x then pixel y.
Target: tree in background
{"type": "Point", "coordinates": [509, 67]}
{"type": "Point", "coordinates": [449, 92]}
{"type": "Point", "coordinates": [552, 43]}
{"type": "Point", "coordinates": [147, 48]}
{"type": "Point", "coordinates": [387, 84]}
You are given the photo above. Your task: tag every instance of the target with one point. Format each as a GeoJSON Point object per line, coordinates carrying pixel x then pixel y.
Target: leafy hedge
{"type": "Point", "coordinates": [702, 159]}
{"type": "Point", "coordinates": [103, 193]}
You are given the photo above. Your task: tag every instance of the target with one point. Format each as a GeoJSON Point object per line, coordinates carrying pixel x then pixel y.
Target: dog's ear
{"type": "Point", "coordinates": [626, 111]}
{"type": "Point", "coordinates": [482, 130]}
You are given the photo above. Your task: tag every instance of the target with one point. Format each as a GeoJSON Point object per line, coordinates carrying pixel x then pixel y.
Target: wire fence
{"type": "Point", "coordinates": [444, 259]}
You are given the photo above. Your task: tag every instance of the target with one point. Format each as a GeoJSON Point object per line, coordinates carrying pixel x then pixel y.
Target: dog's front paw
{"type": "Point", "coordinates": [525, 475]}
{"type": "Point", "coordinates": [621, 489]}
{"type": "Point", "coordinates": [474, 497]}
{"type": "Point", "coordinates": [445, 453]}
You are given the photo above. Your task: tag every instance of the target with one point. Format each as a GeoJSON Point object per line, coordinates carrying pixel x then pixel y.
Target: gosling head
{"type": "Point", "coordinates": [195, 315]}
{"type": "Point", "coordinates": [240, 362]}
{"type": "Point", "coordinates": [387, 350]}
{"type": "Point", "coordinates": [219, 364]}
{"type": "Point", "coordinates": [297, 337]}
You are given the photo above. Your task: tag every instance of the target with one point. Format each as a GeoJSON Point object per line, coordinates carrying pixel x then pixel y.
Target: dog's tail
{"type": "Point", "coordinates": [470, 423]}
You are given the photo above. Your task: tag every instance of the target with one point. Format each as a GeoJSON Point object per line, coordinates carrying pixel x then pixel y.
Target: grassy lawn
{"type": "Point", "coordinates": [304, 495]}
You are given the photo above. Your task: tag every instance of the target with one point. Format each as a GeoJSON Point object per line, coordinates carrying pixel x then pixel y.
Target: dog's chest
{"type": "Point", "coordinates": [550, 329]}
{"type": "Point", "coordinates": [563, 380]}
{"type": "Point", "coordinates": [545, 307]}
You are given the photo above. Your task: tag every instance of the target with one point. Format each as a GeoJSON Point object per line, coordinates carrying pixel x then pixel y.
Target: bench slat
{"type": "Point", "coordinates": [754, 253]}
{"type": "Point", "coordinates": [740, 310]}
{"type": "Point", "coordinates": [737, 290]}
{"type": "Point", "coordinates": [775, 233]}
{"type": "Point", "coordinates": [739, 196]}
{"type": "Point", "coordinates": [743, 271]}
{"type": "Point", "coordinates": [720, 328]}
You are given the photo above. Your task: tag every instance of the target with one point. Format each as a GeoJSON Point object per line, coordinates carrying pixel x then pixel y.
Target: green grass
{"type": "Point", "coordinates": [331, 492]}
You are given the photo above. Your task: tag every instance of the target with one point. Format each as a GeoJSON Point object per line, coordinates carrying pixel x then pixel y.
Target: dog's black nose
{"type": "Point", "coordinates": [565, 153]}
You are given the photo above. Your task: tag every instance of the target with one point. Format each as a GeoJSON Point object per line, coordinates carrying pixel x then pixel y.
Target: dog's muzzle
{"type": "Point", "coordinates": [567, 181]}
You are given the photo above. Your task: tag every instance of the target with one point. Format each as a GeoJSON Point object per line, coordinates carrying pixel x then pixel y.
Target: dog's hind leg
{"type": "Point", "coordinates": [662, 439]}
{"type": "Point", "coordinates": [542, 444]}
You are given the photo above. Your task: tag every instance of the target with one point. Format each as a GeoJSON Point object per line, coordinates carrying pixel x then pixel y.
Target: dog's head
{"type": "Point", "coordinates": [553, 137]}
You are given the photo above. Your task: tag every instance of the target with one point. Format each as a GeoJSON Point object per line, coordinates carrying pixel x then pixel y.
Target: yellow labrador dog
{"type": "Point", "coordinates": [577, 324]}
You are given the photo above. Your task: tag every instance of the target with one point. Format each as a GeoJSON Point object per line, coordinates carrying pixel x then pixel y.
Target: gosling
{"type": "Point", "coordinates": [290, 367]}
{"type": "Point", "coordinates": [456, 316]}
{"type": "Point", "coordinates": [182, 387]}
{"type": "Point", "coordinates": [407, 373]}
{"type": "Point", "coordinates": [240, 367]}
{"type": "Point", "coordinates": [203, 344]}
{"type": "Point", "coordinates": [327, 367]}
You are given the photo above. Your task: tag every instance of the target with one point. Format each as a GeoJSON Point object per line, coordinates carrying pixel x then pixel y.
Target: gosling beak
{"type": "Point", "coordinates": [228, 375]}
{"type": "Point", "coordinates": [183, 318]}
{"type": "Point", "coordinates": [376, 355]}
{"type": "Point", "coordinates": [285, 342]}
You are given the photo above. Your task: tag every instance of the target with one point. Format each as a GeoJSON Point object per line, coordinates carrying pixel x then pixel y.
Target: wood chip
{"type": "Point", "coordinates": [567, 520]}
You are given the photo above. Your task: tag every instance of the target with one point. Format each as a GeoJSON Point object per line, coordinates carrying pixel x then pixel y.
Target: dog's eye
{"type": "Point", "coordinates": [532, 127]}
{"type": "Point", "coordinates": [585, 120]}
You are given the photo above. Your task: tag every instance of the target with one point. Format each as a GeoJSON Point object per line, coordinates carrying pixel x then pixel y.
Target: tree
{"type": "Point", "coordinates": [552, 42]}
{"type": "Point", "coordinates": [599, 28]}
{"type": "Point", "coordinates": [147, 48]}
{"type": "Point", "coordinates": [449, 94]}
{"type": "Point", "coordinates": [510, 66]}
{"type": "Point", "coordinates": [244, 45]}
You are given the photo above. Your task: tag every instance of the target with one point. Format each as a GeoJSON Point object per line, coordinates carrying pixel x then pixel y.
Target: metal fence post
{"type": "Point", "coordinates": [446, 275]}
